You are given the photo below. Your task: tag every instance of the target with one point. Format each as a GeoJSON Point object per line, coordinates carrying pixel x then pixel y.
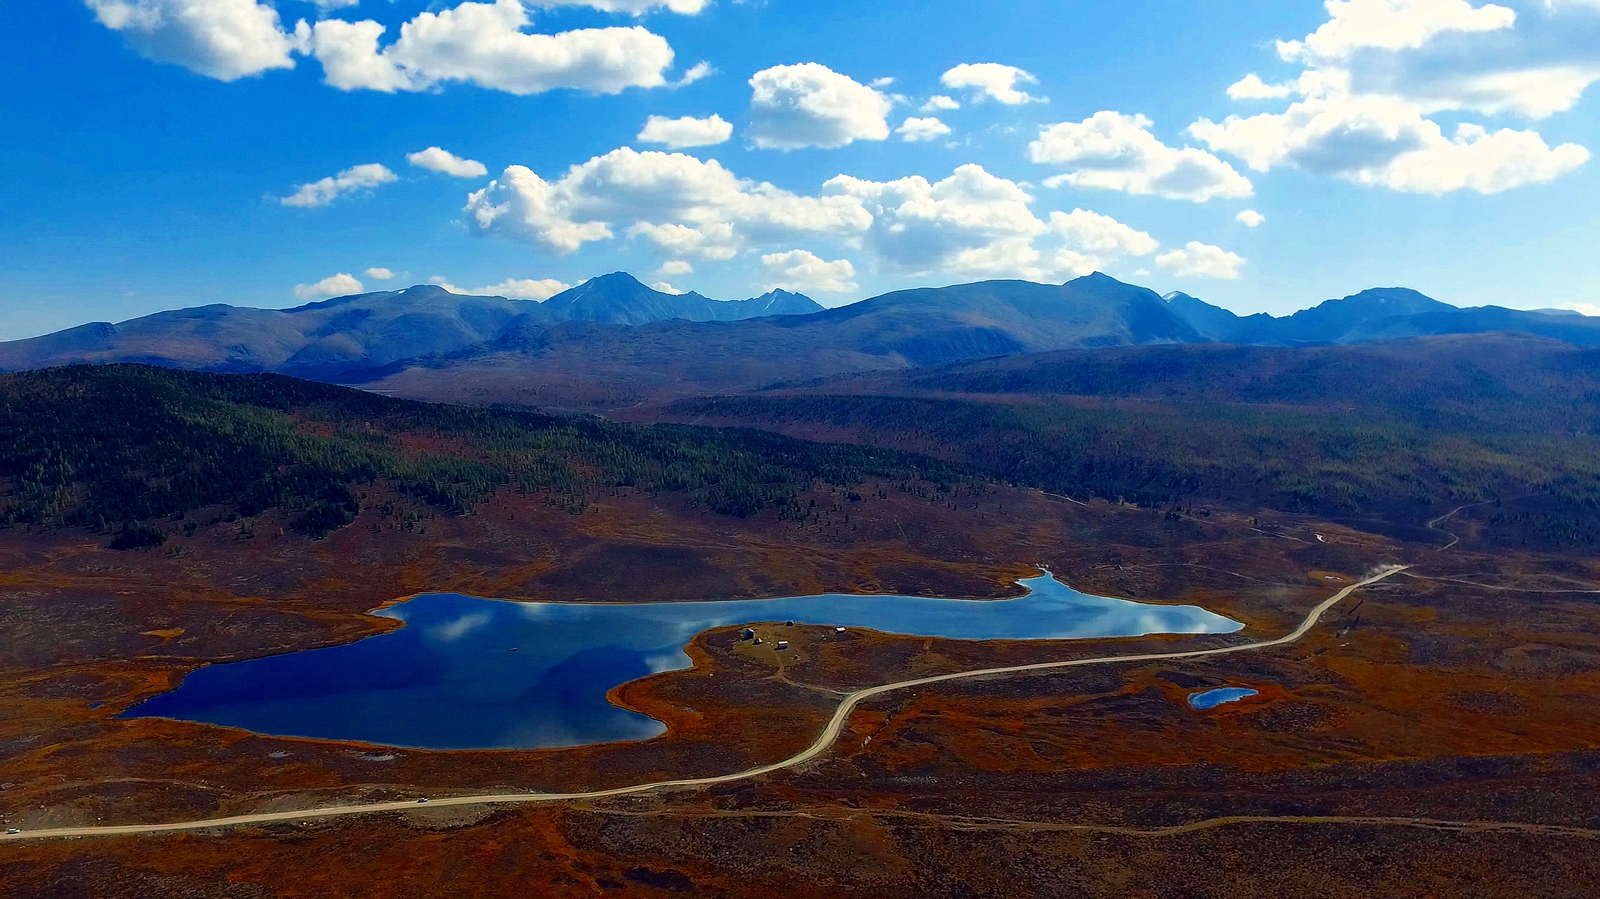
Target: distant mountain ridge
{"type": "Point", "coordinates": [1384, 313]}
{"type": "Point", "coordinates": [613, 342]}
{"type": "Point", "coordinates": [619, 299]}
{"type": "Point", "coordinates": [327, 339]}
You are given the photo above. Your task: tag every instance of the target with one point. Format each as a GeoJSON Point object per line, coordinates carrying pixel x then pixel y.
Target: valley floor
{"type": "Point", "coordinates": [1433, 735]}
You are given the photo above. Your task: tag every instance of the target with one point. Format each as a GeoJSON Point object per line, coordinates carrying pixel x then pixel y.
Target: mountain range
{"type": "Point", "coordinates": [326, 340]}
{"type": "Point", "coordinates": [1386, 313]}
{"type": "Point", "coordinates": [613, 342]}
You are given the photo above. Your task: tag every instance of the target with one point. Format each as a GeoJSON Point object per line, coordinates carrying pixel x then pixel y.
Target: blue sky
{"type": "Point", "coordinates": [168, 153]}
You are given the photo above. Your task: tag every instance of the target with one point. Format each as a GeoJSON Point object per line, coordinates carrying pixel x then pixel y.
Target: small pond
{"type": "Point", "coordinates": [468, 673]}
{"type": "Point", "coordinates": [1210, 699]}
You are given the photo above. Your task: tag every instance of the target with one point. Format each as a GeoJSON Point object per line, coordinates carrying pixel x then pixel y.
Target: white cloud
{"type": "Point", "coordinates": [686, 132]}
{"type": "Point", "coordinates": [974, 224]}
{"type": "Point", "coordinates": [712, 240]}
{"type": "Point", "coordinates": [1378, 68]}
{"type": "Point", "coordinates": [970, 223]}
{"type": "Point", "coordinates": [993, 81]}
{"type": "Point", "coordinates": [1392, 25]}
{"type": "Point", "coordinates": [1386, 142]}
{"type": "Point", "coordinates": [684, 205]}
{"type": "Point", "coordinates": [340, 285]}
{"type": "Point", "coordinates": [915, 130]}
{"type": "Point", "coordinates": [441, 281]}
{"type": "Point", "coordinates": [810, 105]}
{"type": "Point", "coordinates": [484, 44]}
{"type": "Point", "coordinates": [221, 39]}
{"type": "Point", "coordinates": [1201, 260]}
{"type": "Point", "coordinates": [802, 270]}
{"type": "Point", "coordinates": [1535, 93]}
{"type": "Point", "coordinates": [521, 289]}
{"type": "Point", "coordinates": [881, 83]}
{"type": "Point", "coordinates": [664, 287]}
{"type": "Point", "coordinates": [941, 103]}
{"type": "Point", "coordinates": [435, 159]}
{"type": "Point", "coordinates": [1113, 151]}
{"type": "Point", "coordinates": [1092, 232]}
{"type": "Point", "coordinates": [633, 7]}
{"type": "Point", "coordinates": [1582, 308]}
{"type": "Point", "coordinates": [1251, 87]}
{"type": "Point", "coordinates": [379, 273]}
{"type": "Point", "coordinates": [698, 72]}
{"type": "Point", "coordinates": [1250, 218]}
{"type": "Point", "coordinates": [349, 181]}
{"type": "Point", "coordinates": [1534, 72]}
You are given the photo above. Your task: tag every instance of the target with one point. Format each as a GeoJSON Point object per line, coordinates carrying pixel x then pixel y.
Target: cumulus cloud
{"type": "Point", "coordinates": [711, 240]}
{"type": "Point", "coordinates": [1251, 87]}
{"type": "Point", "coordinates": [684, 205]}
{"type": "Point", "coordinates": [1113, 151]}
{"type": "Point", "coordinates": [802, 270]}
{"type": "Point", "coordinates": [334, 4]}
{"type": "Point", "coordinates": [989, 80]}
{"type": "Point", "coordinates": [664, 287]}
{"type": "Point", "coordinates": [340, 285]}
{"type": "Point", "coordinates": [633, 7]}
{"type": "Point", "coordinates": [435, 159]}
{"type": "Point", "coordinates": [975, 224]}
{"type": "Point", "coordinates": [1386, 142]}
{"type": "Point", "coordinates": [1391, 25]}
{"type": "Point", "coordinates": [1095, 233]}
{"type": "Point", "coordinates": [1534, 66]}
{"type": "Point", "coordinates": [349, 181]}
{"type": "Point", "coordinates": [484, 44]}
{"type": "Point", "coordinates": [379, 273]}
{"type": "Point", "coordinates": [971, 223]}
{"type": "Point", "coordinates": [941, 103]}
{"type": "Point", "coordinates": [522, 289]}
{"type": "Point", "coordinates": [810, 105]}
{"type": "Point", "coordinates": [1376, 71]}
{"type": "Point", "coordinates": [222, 39]}
{"type": "Point", "coordinates": [1250, 218]}
{"type": "Point", "coordinates": [1197, 259]}
{"type": "Point", "coordinates": [915, 130]}
{"type": "Point", "coordinates": [686, 132]}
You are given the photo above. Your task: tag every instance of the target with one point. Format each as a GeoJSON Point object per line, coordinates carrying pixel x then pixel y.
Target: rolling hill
{"type": "Point", "coordinates": [1401, 430]}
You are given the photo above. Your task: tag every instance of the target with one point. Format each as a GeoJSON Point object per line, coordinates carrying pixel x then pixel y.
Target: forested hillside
{"type": "Point", "coordinates": [1402, 429]}
{"type": "Point", "coordinates": [115, 448]}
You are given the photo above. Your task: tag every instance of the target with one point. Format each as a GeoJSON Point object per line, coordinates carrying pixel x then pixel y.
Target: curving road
{"type": "Point", "coordinates": [824, 741]}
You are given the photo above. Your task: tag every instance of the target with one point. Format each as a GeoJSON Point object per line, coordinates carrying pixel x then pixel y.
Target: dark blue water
{"type": "Point", "coordinates": [1210, 699]}
{"type": "Point", "coordinates": [449, 680]}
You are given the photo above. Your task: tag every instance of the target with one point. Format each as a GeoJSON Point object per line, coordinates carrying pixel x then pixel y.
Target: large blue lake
{"type": "Point", "coordinates": [450, 680]}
